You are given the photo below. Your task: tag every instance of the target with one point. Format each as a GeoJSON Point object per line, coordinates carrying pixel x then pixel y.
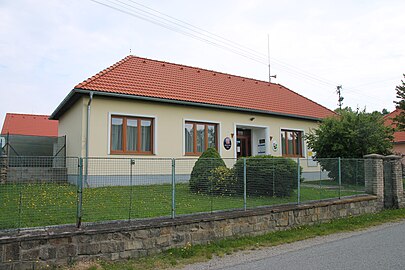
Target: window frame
{"type": "Point", "coordinates": [301, 143]}
{"type": "Point", "coordinates": [206, 124]}
{"type": "Point", "coordinates": [139, 134]}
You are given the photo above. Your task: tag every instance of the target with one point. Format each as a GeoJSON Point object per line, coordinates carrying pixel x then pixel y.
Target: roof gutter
{"type": "Point", "coordinates": [87, 136]}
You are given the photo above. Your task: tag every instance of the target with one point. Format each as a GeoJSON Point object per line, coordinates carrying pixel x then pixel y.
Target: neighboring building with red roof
{"type": "Point", "coordinates": [399, 136]}
{"type": "Point", "coordinates": [144, 107]}
{"type": "Point", "coordinates": [29, 125]}
{"type": "Point", "coordinates": [30, 135]}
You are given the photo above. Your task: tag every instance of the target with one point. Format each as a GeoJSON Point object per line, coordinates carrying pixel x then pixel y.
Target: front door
{"type": "Point", "coordinates": [243, 143]}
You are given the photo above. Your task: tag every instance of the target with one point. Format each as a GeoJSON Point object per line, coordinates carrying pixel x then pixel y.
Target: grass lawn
{"type": "Point", "coordinates": [333, 183]}
{"type": "Point", "coordinates": [53, 204]}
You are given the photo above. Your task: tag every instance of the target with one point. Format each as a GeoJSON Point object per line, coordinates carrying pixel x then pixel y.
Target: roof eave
{"type": "Point", "coordinates": [64, 105]}
{"type": "Point", "coordinates": [180, 102]}
{"type": "Point", "coordinates": [74, 95]}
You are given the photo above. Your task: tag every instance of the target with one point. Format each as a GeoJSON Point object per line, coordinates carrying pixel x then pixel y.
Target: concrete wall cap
{"type": "Point", "coordinates": [392, 157]}
{"type": "Point", "coordinates": [374, 156]}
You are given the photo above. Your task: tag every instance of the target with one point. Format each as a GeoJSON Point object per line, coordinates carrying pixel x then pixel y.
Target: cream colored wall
{"type": "Point", "coordinates": [169, 141]}
{"type": "Point", "coordinates": [72, 124]}
{"type": "Point", "coordinates": [169, 134]}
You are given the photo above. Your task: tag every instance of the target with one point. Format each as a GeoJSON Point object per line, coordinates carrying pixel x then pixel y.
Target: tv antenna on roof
{"type": "Point", "coordinates": [268, 53]}
{"type": "Point", "coordinates": [339, 92]}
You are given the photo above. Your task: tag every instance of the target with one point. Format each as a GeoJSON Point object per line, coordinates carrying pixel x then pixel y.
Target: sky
{"type": "Point", "coordinates": [47, 47]}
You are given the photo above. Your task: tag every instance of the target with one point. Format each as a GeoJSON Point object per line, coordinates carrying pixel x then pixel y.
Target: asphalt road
{"type": "Point", "coordinates": [381, 247]}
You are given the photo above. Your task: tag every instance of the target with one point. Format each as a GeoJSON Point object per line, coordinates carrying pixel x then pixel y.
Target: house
{"type": "Point", "coordinates": [399, 136]}
{"type": "Point", "coordinates": [143, 108]}
{"type": "Point", "coordinates": [29, 135]}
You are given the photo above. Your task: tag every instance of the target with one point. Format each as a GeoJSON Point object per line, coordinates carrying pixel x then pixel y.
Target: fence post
{"type": "Point", "coordinates": [79, 194]}
{"type": "Point", "coordinates": [340, 176]}
{"type": "Point", "coordinates": [20, 196]}
{"type": "Point", "coordinates": [299, 181]}
{"type": "Point", "coordinates": [244, 184]}
{"type": "Point", "coordinates": [393, 186]}
{"type": "Point", "coordinates": [131, 164]}
{"type": "Point", "coordinates": [173, 188]}
{"type": "Point", "coordinates": [274, 177]}
{"type": "Point", "coordinates": [374, 176]}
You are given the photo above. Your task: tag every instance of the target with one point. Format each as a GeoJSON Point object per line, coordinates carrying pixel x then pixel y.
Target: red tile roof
{"type": "Point", "coordinates": [29, 124]}
{"type": "Point", "coordinates": [150, 78]}
{"type": "Point", "coordinates": [399, 136]}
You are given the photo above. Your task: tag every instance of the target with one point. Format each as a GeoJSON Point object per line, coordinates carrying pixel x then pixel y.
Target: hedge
{"type": "Point", "coordinates": [268, 176]}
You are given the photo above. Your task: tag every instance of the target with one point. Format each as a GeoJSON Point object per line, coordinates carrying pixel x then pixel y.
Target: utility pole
{"type": "Point", "coordinates": [340, 100]}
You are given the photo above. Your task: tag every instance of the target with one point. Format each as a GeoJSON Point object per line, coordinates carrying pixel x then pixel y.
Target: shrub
{"type": "Point", "coordinates": [222, 181]}
{"type": "Point", "coordinates": [267, 176]}
{"type": "Point", "coordinates": [203, 170]}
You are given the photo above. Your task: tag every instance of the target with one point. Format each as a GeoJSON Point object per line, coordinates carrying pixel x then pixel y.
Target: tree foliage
{"type": "Point", "coordinates": [352, 134]}
{"type": "Point", "coordinates": [399, 120]}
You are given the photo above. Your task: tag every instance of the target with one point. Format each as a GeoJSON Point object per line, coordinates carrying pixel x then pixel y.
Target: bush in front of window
{"type": "Point", "coordinates": [202, 173]}
{"type": "Point", "coordinates": [267, 176]}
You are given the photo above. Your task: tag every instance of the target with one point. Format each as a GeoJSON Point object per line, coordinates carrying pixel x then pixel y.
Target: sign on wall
{"type": "Point", "coordinates": [261, 147]}
{"type": "Point", "coordinates": [274, 145]}
{"type": "Point", "coordinates": [227, 143]}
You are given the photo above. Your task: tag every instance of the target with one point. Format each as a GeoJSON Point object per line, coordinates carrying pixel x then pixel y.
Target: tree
{"type": "Point", "coordinates": [382, 113]}
{"type": "Point", "coordinates": [351, 135]}
{"type": "Point", "coordinates": [399, 120]}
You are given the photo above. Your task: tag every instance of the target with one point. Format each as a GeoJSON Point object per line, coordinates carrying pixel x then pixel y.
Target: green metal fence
{"type": "Point", "coordinates": [77, 190]}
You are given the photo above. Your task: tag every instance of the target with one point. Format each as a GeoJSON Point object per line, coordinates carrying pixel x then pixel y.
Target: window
{"type": "Point", "coordinates": [131, 135]}
{"type": "Point", "coordinates": [199, 137]}
{"type": "Point", "coordinates": [291, 142]}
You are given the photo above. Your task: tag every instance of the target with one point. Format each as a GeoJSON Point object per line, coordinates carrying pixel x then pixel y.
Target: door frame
{"type": "Point", "coordinates": [247, 142]}
{"type": "Point", "coordinates": [244, 125]}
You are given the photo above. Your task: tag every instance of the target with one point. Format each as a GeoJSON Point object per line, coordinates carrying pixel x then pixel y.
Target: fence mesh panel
{"type": "Point", "coordinates": [151, 188]}
{"type": "Point", "coordinates": [353, 176]}
{"type": "Point", "coordinates": [124, 189]}
{"type": "Point", "coordinates": [33, 195]}
{"type": "Point", "coordinates": [42, 191]}
{"type": "Point", "coordinates": [269, 181]}
{"type": "Point", "coordinates": [207, 187]}
{"type": "Point", "coordinates": [331, 178]}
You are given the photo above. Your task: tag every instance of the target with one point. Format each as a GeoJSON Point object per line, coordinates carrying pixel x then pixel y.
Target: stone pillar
{"type": "Point", "coordinates": [374, 175]}
{"type": "Point", "coordinates": [3, 169]}
{"type": "Point", "coordinates": [395, 194]}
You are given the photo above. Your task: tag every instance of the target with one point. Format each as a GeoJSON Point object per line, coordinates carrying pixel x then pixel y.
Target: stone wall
{"type": "Point", "coordinates": [36, 249]}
